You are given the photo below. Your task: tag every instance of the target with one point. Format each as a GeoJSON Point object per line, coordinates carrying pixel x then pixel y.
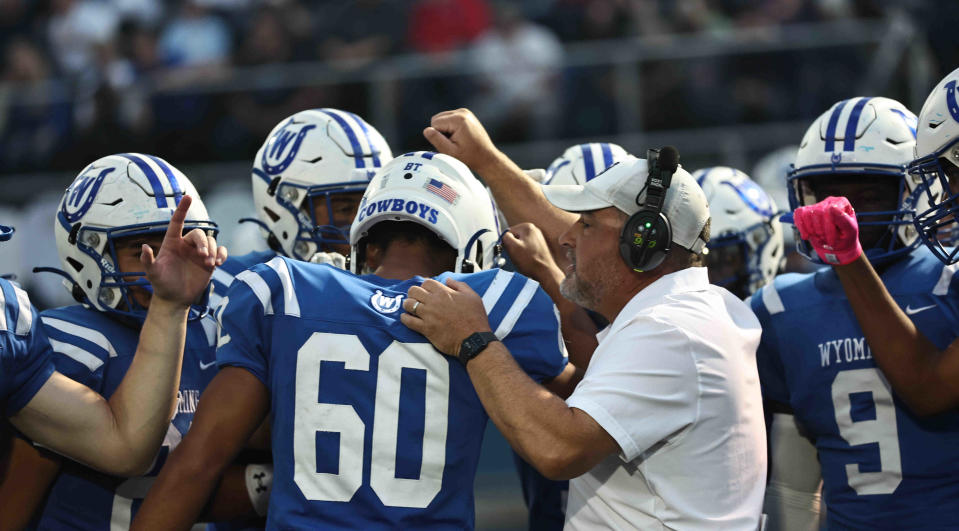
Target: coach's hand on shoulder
{"type": "Point", "coordinates": [460, 134]}
{"type": "Point", "coordinates": [830, 226]}
{"type": "Point", "coordinates": [183, 266]}
{"type": "Point", "coordinates": [445, 313]}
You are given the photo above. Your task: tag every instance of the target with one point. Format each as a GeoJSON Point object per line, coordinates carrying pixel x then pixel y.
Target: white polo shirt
{"type": "Point", "coordinates": [674, 382]}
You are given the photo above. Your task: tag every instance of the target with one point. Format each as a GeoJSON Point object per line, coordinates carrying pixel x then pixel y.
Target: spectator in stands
{"type": "Point", "coordinates": [518, 63]}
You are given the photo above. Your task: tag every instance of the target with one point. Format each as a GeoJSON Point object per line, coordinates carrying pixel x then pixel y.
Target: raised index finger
{"type": "Point", "coordinates": [174, 230]}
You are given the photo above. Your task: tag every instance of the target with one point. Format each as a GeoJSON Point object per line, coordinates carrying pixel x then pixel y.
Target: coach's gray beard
{"type": "Point", "coordinates": [575, 291]}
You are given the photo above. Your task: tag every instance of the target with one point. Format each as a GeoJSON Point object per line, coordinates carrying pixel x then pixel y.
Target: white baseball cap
{"type": "Point", "coordinates": [685, 205]}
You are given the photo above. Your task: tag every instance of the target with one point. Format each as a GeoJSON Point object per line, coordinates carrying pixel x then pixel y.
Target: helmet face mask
{"type": "Point", "coordinates": [936, 170]}
{"type": "Point", "coordinates": [859, 148]}
{"type": "Point", "coordinates": [439, 193]}
{"type": "Point", "coordinates": [306, 163]}
{"type": "Point", "coordinates": [746, 248]}
{"type": "Point", "coordinates": [115, 198]}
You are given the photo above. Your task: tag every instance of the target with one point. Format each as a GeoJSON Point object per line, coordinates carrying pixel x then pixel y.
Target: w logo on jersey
{"type": "Point", "coordinates": [385, 304]}
{"type": "Point", "coordinates": [283, 147]}
{"type": "Point", "coordinates": [80, 196]}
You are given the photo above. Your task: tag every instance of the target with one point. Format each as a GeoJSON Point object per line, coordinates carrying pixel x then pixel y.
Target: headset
{"type": "Point", "coordinates": [647, 234]}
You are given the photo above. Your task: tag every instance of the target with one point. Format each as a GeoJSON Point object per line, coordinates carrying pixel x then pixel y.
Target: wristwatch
{"type": "Point", "coordinates": [475, 344]}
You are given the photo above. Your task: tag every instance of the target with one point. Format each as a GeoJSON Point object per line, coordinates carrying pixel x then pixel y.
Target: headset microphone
{"type": "Point", "coordinates": [647, 234]}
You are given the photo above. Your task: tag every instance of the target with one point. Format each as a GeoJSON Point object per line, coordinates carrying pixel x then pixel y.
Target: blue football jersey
{"type": "Point", "coordinates": [25, 363]}
{"type": "Point", "coordinates": [372, 427]}
{"type": "Point", "coordinates": [96, 350]}
{"type": "Point", "coordinates": [223, 275]}
{"type": "Point", "coordinates": [882, 466]}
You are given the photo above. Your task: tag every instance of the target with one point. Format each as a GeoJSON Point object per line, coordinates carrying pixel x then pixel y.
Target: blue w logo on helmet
{"type": "Point", "coordinates": [80, 196]}
{"type": "Point", "coordinates": [283, 147]}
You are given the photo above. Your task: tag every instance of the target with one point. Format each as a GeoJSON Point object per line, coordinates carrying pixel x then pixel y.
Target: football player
{"type": "Point", "coordinates": [121, 435]}
{"type": "Point", "coordinates": [371, 428]}
{"type": "Point", "coordinates": [308, 179]}
{"type": "Point", "coordinates": [924, 375]}
{"type": "Point", "coordinates": [529, 252]}
{"type": "Point", "coordinates": [114, 207]}
{"type": "Point", "coordinates": [882, 467]}
{"type": "Point", "coordinates": [746, 246]}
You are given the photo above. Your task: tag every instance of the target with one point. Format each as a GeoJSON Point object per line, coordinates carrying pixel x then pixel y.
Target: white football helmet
{"type": "Point", "coordinates": [857, 137]}
{"type": "Point", "coordinates": [936, 160]}
{"type": "Point", "coordinates": [583, 162]}
{"type": "Point", "coordinates": [114, 197]}
{"type": "Point", "coordinates": [438, 192]}
{"type": "Point", "coordinates": [745, 231]}
{"type": "Point", "coordinates": [312, 156]}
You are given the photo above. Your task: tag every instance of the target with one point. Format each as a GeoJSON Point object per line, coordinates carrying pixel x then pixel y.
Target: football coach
{"type": "Point", "coordinates": [666, 428]}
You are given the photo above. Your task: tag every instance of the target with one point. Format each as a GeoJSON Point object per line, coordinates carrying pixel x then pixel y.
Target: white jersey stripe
{"type": "Point", "coordinates": [945, 279]}
{"type": "Point", "coordinates": [519, 304]}
{"type": "Point", "coordinates": [25, 317]}
{"type": "Point", "coordinates": [77, 354]}
{"type": "Point", "coordinates": [771, 299]}
{"type": "Point", "coordinates": [291, 306]}
{"type": "Point", "coordinates": [221, 276]}
{"type": "Point", "coordinates": [215, 300]}
{"type": "Point", "coordinates": [496, 289]}
{"type": "Point", "coordinates": [260, 289]}
{"type": "Point", "coordinates": [82, 332]}
{"type": "Point", "coordinates": [3, 312]}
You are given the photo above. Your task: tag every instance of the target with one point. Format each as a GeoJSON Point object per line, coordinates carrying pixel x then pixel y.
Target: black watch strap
{"type": "Point", "coordinates": [475, 344]}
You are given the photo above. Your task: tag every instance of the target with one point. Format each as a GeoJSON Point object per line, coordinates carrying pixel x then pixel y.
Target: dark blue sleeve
{"type": "Point", "coordinates": [241, 319]}
{"type": "Point", "coordinates": [535, 340]}
{"type": "Point", "coordinates": [772, 378]}
{"type": "Point", "coordinates": [27, 365]}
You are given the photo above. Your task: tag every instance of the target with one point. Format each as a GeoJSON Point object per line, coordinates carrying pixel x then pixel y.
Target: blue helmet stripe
{"type": "Point", "coordinates": [428, 154]}
{"type": "Point", "coordinates": [158, 193]}
{"type": "Point", "coordinates": [831, 128]}
{"type": "Point", "coordinates": [849, 139]}
{"type": "Point", "coordinates": [354, 141]}
{"type": "Point", "coordinates": [607, 155]}
{"type": "Point", "coordinates": [702, 178]}
{"type": "Point", "coordinates": [951, 100]}
{"type": "Point", "coordinates": [369, 139]}
{"type": "Point", "coordinates": [174, 183]}
{"type": "Point", "coordinates": [588, 161]}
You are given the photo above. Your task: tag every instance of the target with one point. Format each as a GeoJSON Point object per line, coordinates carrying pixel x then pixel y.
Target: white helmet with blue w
{"type": "Point", "coordinates": [746, 248]}
{"type": "Point", "coordinates": [583, 162]}
{"type": "Point", "coordinates": [936, 167]}
{"type": "Point", "coordinates": [309, 158]}
{"type": "Point", "coordinates": [438, 192]}
{"type": "Point", "coordinates": [115, 197]}
{"type": "Point", "coordinates": [862, 139]}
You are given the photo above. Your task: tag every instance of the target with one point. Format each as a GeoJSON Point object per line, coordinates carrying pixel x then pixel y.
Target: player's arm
{"type": "Point", "coordinates": [459, 134]}
{"type": "Point", "coordinates": [924, 377]}
{"type": "Point", "coordinates": [24, 483]}
{"type": "Point", "coordinates": [121, 437]}
{"type": "Point", "coordinates": [230, 410]}
{"type": "Point", "coordinates": [792, 498]}
{"type": "Point", "coordinates": [528, 250]}
{"type": "Point", "coordinates": [560, 441]}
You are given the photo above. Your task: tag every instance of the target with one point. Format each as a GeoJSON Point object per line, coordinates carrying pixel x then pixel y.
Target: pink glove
{"type": "Point", "coordinates": [831, 227]}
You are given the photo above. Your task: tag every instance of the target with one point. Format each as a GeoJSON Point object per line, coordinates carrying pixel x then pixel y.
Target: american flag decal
{"type": "Point", "coordinates": [442, 190]}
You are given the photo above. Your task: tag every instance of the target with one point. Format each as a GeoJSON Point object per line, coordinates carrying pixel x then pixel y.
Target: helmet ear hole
{"type": "Point", "coordinates": [273, 215]}
{"type": "Point", "coordinates": [75, 264]}
{"type": "Point", "coordinates": [77, 293]}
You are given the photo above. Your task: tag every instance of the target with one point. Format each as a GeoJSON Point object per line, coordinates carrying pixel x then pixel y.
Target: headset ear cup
{"type": "Point", "coordinates": [645, 240]}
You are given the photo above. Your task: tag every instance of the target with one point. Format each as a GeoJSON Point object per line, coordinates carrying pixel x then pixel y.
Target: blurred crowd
{"type": "Point", "coordinates": [81, 78]}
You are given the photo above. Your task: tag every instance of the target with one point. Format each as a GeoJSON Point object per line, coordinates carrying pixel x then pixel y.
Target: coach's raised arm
{"type": "Point", "coordinates": [666, 428]}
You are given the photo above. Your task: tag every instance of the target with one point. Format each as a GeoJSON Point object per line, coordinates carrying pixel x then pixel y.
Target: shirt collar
{"type": "Point", "coordinates": [684, 280]}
